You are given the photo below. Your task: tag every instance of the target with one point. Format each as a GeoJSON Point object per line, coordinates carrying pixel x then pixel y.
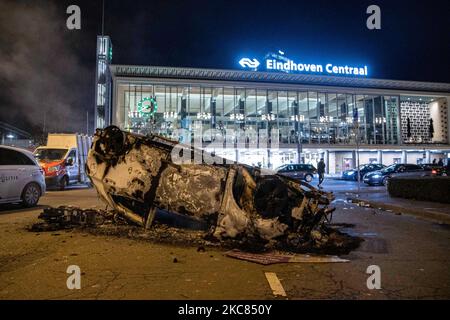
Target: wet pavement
{"type": "Point", "coordinates": [412, 254]}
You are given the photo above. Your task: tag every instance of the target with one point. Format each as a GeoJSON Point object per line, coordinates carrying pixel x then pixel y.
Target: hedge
{"type": "Point", "coordinates": [435, 189]}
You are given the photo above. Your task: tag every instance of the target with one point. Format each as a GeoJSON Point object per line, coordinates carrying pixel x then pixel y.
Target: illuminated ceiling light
{"type": "Point", "coordinates": [170, 115]}
{"type": "Point", "coordinates": [326, 119]}
{"type": "Point", "coordinates": [380, 120]}
{"type": "Point", "coordinates": [237, 116]}
{"type": "Point", "coordinates": [297, 118]}
{"type": "Point", "coordinates": [204, 115]}
{"type": "Point", "coordinates": [268, 117]}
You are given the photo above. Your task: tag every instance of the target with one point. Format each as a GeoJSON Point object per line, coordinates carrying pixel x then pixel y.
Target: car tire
{"type": "Point", "coordinates": [64, 183]}
{"type": "Point", "coordinates": [308, 178]}
{"type": "Point", "coordinates": [385, 181]}
{"type": "Point", "coordinates": [30, 195]}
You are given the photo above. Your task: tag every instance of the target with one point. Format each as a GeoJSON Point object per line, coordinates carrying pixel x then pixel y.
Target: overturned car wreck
{"type": "Point", "coordinates": [138, 176]}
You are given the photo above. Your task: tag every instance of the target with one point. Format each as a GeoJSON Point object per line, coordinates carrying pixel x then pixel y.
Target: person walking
{"type": "Point", "coordinates": [440, 162]}
{"type": "Point", "coordinates": [321, 172]}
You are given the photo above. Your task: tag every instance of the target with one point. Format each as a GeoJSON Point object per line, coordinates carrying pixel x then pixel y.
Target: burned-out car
{"type": "Point", "coordinates": [138, 175]}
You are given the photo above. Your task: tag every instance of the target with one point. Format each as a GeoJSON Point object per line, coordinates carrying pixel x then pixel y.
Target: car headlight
{"type": "Point", "coordinates": [53, 169]}
{"type": "Point", "coordinates": [376, 176]}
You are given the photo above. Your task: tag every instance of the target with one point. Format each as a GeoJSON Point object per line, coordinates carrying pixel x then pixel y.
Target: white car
{"type": "Point", "coordinates": [21, 178]}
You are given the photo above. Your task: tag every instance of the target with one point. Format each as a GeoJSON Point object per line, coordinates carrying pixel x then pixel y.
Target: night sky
{"type": "Point", "coordinates": [47, 72]}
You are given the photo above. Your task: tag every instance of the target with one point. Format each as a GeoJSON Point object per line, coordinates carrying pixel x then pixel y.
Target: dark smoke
{"type": "Point", "coordinates": [41, 77]}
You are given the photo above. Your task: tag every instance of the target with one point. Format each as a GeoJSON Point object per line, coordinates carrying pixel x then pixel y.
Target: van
{"type": "Point", "coordinates": [63, 159]}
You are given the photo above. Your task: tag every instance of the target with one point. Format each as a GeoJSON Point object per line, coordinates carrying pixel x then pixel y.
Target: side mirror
{"type": "Point", "coordinates": [69, 162]}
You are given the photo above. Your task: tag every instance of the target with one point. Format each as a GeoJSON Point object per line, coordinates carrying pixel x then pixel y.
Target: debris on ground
{"type": "Point", "coordinates": [274, 257]}
{"type": "Point", "coordinates": [67, 217]}
{"type": "Point", "coordinates": [201, 249]}
{"type": "Point", "coordinates": [110, 224]}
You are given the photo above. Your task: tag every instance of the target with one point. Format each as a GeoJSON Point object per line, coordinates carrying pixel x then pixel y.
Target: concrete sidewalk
{"type": "Point", "coordinates": [435, 211]}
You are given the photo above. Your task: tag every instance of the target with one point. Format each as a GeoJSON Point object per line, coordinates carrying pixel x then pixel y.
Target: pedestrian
{"type": "Point", "coordinates": [440, 162]}
{"type": "Point", "coordinates": [434, 161]}
{"type": "Point", "coordinates": [321, 172]}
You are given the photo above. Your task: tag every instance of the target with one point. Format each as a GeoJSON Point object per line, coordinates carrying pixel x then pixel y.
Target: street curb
{"type": "Point", "coordinates": [421, 213]}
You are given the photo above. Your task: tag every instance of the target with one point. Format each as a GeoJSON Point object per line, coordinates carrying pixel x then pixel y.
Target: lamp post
{"type": "Point", "coordinates": [356, 126]}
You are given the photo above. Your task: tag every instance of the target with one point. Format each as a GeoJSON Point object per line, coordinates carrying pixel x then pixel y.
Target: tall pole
{"type": "Point", "coordinates": [357, 157]}
{"type": "Point", "coordinates": [356, 127]}
{"type": "Point", "coordinates": [299, 142]}
{"type": "Point", "coordinates": [45, 116]}
{"type": "Point", "coordinates": [103, 17]}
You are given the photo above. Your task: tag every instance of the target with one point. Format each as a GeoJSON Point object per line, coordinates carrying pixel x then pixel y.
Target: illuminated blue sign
{"type": "Point", "coordinates": [246, 62]}
{"type": "Point", "coordinates": [278, 62]}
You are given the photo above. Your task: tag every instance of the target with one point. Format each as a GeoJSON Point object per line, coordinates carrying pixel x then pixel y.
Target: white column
{"type": "Point", "coordinates": [327, 161]}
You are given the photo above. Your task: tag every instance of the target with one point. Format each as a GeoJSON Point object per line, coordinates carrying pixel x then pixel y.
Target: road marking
{"type": "Point", "coordinates": [275, 284]}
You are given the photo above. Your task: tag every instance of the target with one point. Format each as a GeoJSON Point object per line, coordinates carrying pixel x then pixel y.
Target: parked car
{"type": "Point", "coordinates": [21, 178]}
{"type": "Point", "coordinates": [363, 169]}
{"type": "Point", "coordinates": [435, 170]}
{"type": "Point", "coordinates": [381, 177]}
{"type": "Point", "coordinates": [299, 171]}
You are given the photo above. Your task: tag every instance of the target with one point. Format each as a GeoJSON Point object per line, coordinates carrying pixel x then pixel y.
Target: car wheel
{"type": "Point", "coordinates": [30, 195]}
{"type": "Point", "coordinates": [64, 183]}
{"type": "Point", "coordinates": [308, 178]}
{"type": "Point", "coordinates": [386, 181]}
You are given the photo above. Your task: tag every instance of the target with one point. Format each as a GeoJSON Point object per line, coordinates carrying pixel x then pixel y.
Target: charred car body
{"type": "Point", "coordinates": [138, 175]}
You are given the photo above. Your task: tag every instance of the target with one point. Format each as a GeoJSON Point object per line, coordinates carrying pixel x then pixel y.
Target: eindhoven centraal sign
{"type": "Point", "coordinates": [279, 62]}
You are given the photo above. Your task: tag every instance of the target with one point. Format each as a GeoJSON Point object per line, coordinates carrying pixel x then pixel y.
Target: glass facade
{"type": "Point", "coordinates": [270, 125]}
{"type": "Point", "coordinates": [297, 116]}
